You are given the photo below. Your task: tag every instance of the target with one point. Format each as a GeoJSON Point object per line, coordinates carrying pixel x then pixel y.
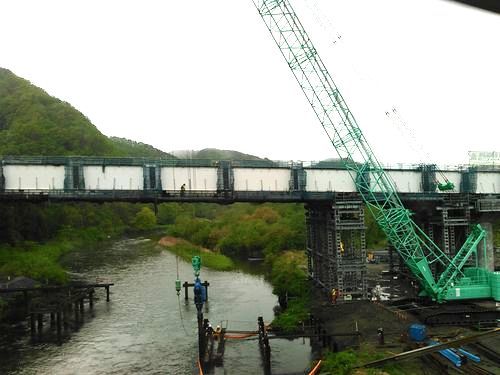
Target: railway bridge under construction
{"type": "Point", "coordinates": [335, 214]}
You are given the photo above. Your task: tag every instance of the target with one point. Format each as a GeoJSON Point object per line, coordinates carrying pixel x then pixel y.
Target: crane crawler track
{"type": "Point", "coordinates": [461, 315]}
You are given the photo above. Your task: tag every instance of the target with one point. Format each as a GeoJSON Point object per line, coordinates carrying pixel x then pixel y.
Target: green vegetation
{"type": "Point", "coordinates": [137, 149]}
{"type": "Point", "coordinates": [215, 154]}
{"type": "Point", "coordinates": [289, 277]}
{"type": "Point", "coordinates": [212, 260]}
{"type": "Point", "coordinates": [145, 219]}
{"type": "Point", "coordinates": [39, 262]}
{"type": "Point", "coordinates": [339, 363]}
{"type": "Point", "coordinates": [240, 230]}
{"type": "Point", "coordinates": [375, 238]}
{"type": "Point", "coordinates": [35, 123]}
{"type": "Point", "coordinates": [35, 236]}
{"type": "Point", "coordinates": [343, 363]}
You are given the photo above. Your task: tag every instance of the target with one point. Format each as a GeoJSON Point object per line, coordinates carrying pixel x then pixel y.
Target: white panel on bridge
{"type": "Point", "coordinates": [33, 177]}
{"type": "Point", "coordinates": [195, 178]}
{"type": "Point", "coordinates": [261, 179]}
{"type": "Point", "coordinates": [405, 181]}
{"type": "Point", "coordinates": [488, 183]}
{"type": "Point", "coordinates": [455, 177]}
{"type": "Point", "coordinates": [329, 180]}
{"type": "Point", "coordinates": [113, 177]}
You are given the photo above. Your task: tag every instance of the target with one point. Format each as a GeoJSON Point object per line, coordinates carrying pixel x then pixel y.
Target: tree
{"type": "Point", "coordinates": [167, 213]}
{"type": "Point", "coordinates": [145, 219]}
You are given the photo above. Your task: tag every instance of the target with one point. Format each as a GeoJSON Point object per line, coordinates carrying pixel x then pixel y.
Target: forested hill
{"type": "Point", "coordinates": [131, 148]}
{"type": "Point", "coordinates": [34, 123]}
{"type": "Point", "coordinates": [214, 154]}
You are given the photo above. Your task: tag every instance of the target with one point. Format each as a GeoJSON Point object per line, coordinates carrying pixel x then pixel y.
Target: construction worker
{"type": "Point", "coordinates": [380, 334]}
{"type": "Point", "coordinates": [217, 332]}
{"type": "Point", "coordinates": [210, 330]}
{"type": "Point", "coordinates": [334, 295]}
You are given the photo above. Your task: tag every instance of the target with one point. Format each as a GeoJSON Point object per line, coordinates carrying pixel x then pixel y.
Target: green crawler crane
{"type": "Point", "coordinates": [419, 252]}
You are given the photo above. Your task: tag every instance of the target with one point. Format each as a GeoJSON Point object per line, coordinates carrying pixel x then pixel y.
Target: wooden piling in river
{"type": "Point", "coordinates": [39, 324]}
{"type": "Point", "coordinates": [65, 313]}
{"type": "Point", "coordinates": [81, 309]}
{"type": "Point", "coordinates": [59, 327]}
{"type": "Point", "coordinates": [265, 348]}
{"type": "Point", "coordinates": [76, 311]}
{"type": "Point", "coordinates": [32, 325]}
{"type": "Point", "coordinates": [59, 303]}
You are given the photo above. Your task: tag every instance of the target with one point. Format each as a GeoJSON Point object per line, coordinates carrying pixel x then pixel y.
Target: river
{"type": "Point", "coordinates": [146, 329]}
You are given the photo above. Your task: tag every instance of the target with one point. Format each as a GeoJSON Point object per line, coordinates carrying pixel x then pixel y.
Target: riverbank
{"type": "Point", "coordinates": [40, 261]}
{"type": "Point", "coordinates": [187, 251]}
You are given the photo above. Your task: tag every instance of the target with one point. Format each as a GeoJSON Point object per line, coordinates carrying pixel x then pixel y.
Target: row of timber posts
{"type": "Point", "coordinates": [265, 348]}
{"type": "Point", "coordinates": [59, 316]}
{"type": "Point", "coordinates": [317, 330]}
{"type": "Point", "coordinates": [70, 303]}
{"type": "Point", "coordinates": [211, 357]}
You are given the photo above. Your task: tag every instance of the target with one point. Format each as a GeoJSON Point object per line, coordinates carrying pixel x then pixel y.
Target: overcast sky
{"type": "Point", "coordinates": [196, 74]}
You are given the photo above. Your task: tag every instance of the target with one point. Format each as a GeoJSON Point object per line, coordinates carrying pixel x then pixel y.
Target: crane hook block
{"type": "Point", "coordinates": [178, 286]}
{"type": "Point", "coordinates": [196, 263]}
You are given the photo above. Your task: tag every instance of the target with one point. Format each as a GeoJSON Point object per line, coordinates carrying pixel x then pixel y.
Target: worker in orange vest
{"type": "Point", "coordinates": [334, 295]}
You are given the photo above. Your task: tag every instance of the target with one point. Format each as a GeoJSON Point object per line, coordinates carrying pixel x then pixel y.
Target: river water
{"type": "Point", "coordinates": [146, 329]}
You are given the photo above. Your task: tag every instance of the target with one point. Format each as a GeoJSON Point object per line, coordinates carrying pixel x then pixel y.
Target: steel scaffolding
{"type": "Point", "coordinates": [336, 246]}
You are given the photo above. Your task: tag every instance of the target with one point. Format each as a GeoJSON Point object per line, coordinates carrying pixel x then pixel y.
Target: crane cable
{"type": "Point", "coordinates": [179, 298]}
{"type": "Point", "coordinates": [392, 114]}
{"type": "Point", "coordinates": [403, 126]}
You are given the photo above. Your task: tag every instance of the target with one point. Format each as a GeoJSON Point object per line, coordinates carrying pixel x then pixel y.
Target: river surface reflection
{"type": "Point", "coordinates": [145, 329]}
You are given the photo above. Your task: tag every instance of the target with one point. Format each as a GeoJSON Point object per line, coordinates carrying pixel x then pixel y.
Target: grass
{"type": "Point", "coordinates": [40, 261]}
{"type": "Point", "coordinates": [211, 260]}
{"type": "Point", "coordinates": [343, 363]}
{"type": "Point", "coordinates": [37, 261]}
{"type": "Point", "coordinates": [289, 320]}
{"type": "Point", "coordinates": [289, 278]}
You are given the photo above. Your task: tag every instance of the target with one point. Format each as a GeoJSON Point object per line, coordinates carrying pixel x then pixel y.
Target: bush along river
{"type": "Point", "coordinates": [146, 328]}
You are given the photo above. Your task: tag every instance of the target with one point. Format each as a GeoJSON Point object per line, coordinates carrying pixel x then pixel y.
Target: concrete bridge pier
{"type": "Point", "coordinates": [453, 222]}
{"type": "Point", "coordinates": [485, 250]}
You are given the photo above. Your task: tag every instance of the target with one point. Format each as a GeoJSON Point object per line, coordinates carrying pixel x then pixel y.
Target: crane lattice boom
{"type": "Point", "coordinates": [376, 187]}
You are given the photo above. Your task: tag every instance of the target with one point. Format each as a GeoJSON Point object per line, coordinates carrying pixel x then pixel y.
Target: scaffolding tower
{"type": "Point", "coordinates": [336, 246]}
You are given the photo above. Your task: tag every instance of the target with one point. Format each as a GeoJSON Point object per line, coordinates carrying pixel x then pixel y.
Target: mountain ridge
{"type": "Point", "coordinates": [34, 123]}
